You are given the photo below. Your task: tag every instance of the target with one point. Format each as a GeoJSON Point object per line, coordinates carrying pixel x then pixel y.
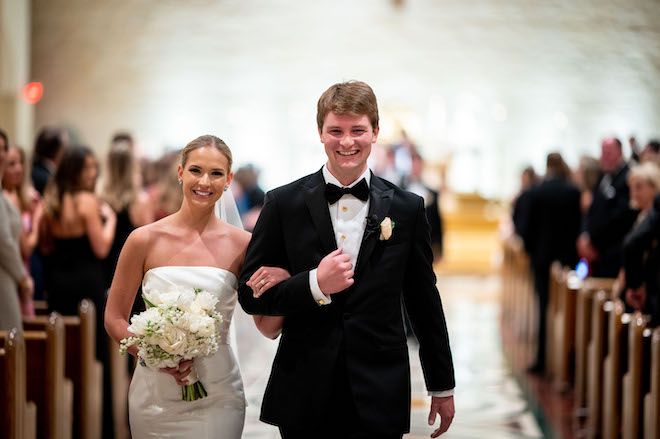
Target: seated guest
{"type": "Point", "coordinates": [47, 153]}
{"type": "Point", "coordinates": [553, 224]}
{"type": "Point", "coordinates": [609, 217]}
{"type": "Point", "coordinates": [14, 279]}
{"type": "Point", "coordinates": [641, 264]}
{"type": "Point", "coordinates": [28, 203]}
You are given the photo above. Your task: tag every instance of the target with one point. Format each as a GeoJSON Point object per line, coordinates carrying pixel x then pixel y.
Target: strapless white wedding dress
{"type": "Point", "coordinates": [154, 398]}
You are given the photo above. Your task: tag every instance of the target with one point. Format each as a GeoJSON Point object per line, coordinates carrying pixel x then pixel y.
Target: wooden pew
{"type": "Point", "coordinates": [41, 307]}
{"type": "Point", "coordinates": [614, 367]}
{"type": "Point", "coordinates": [82, 367]}
{"type": "Point", "coordinates": [583, 311]}
{"type": "Point", "coordinates": [652, 399]}
{"type": "Point", "coordinates": [600, 309]}
{"type": "Point", "coordinates": [18, 416]}
{"type": "Point", "coordinates": [638, 361]}
{"type": "Point", "coordinates": [120, 382]}
{"type": "Point", "coordinates": [47, 385]}
{"type": "Point", "coordinates": [557, 278]}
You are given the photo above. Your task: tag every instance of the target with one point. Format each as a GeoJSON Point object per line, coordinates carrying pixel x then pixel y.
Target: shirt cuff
{"type": "Point", "coordinates": [318, 295]}
{"type": "Point", "coordinates": [442, 393]}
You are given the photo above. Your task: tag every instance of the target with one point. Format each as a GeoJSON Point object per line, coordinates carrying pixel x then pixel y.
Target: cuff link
{"type": "Point", "coordinates": [321, 301]}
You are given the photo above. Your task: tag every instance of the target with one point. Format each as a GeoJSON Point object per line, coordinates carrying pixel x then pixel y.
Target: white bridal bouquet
{"type": "Point", "coordinates": [179, 324]}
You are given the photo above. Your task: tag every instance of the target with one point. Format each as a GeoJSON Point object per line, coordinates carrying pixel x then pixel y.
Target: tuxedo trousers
{"type": "Point", "coordinates": [342, 420]}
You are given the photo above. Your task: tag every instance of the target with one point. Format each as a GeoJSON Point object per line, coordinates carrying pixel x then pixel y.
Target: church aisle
{"type": "Point", "coordinates": [489, 402]}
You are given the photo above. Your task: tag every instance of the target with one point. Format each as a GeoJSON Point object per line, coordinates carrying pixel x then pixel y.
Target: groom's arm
{"type": "Point", "coordinates": [267, 248]}
{"type": "Point", "coordinates": [424, 308]}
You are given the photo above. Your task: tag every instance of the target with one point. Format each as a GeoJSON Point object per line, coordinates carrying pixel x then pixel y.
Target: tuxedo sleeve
{"type": "Point", "coordinates": [267, 248]}
{"type": "Point", "coordinates": [424, 308]}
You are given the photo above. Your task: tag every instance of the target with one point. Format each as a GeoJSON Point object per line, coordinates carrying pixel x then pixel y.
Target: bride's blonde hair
{"type": "Point", "coordinates": [203, 141]}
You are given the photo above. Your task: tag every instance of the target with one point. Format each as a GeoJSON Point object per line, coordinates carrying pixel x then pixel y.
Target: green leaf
{"type": "Point", "coordinates": [151, 305]}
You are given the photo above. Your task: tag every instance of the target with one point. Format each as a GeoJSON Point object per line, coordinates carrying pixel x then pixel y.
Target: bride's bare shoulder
{"type": "Point", "coordinates": [238, 235]}
{"type": "Point", "coordinates": [147, 234]}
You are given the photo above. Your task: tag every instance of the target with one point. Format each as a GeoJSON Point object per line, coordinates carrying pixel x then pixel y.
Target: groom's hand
{"type": "Point", "coordinates": [445, 408]}
{"type": "Point", "coordinates": [335, 272]}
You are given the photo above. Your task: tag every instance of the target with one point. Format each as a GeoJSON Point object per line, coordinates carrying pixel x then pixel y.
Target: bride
{"type": "Point", "coordinates": [191, 248]}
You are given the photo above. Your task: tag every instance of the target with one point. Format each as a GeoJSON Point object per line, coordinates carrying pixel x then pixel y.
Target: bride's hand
{"type": "Point", "coordinates": [265, 278]}
{"type": "Point", "coordinates": [181, 372]}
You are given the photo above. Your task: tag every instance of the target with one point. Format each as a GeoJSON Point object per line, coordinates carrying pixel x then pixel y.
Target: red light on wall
{"type": "Point", "coordinates": [33, 92]}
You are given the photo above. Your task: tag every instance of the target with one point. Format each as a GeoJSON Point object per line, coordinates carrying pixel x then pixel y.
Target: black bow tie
{"type": "Point", "coordinates": [334, 193]}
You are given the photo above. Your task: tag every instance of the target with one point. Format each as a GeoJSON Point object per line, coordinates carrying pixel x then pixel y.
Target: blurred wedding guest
{"type": "Point", "coordinates": [609, 217]}
{"type": "Point", "coordinates": [415, 184]}
{"type": "Point", "coordinates": [644, 184]}
{"type": "Point", "coordinates": [77, 234]}
{"type": "Point", "coordinates": [124, 140]}
{"type": "Point", "coordinates": [651, 152]}
{"type": "Point", "coordinates": [28, 203]}
{"type": "Point", "coordinates": [47, 153]}
{"type": "Point", "coordinates": [15, 281]}
{"type": "Point", "coordinates": [586, 177]}
{"type": "Point", "coordinates": [641, 264]}
{"type": "Point", "coordinates": [250, 198]}
{"type": "Point", "coordinates": [122, 191]}
{"type": "Point", "coordinates": [165, 193]}
{"type": "Point", "coordinates": [553, 225]}
{"type": "Point", "coordinates": [520, 209]}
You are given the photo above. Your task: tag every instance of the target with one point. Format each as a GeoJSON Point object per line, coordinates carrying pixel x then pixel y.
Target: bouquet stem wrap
{"type": "Point", "coordinates": [194, 389]}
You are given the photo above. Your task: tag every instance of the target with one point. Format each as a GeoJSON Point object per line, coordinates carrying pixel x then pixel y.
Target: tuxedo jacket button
{"type": "Point", "coordinates": [347, 315]}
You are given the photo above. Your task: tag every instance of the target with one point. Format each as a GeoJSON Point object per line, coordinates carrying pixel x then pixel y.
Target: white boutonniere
{"type": "Point", "coordinates": [386, 228]}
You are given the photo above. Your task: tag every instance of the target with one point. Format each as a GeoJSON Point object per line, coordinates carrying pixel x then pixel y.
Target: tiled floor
{"type": "Point", "coordinates": [489, 402]}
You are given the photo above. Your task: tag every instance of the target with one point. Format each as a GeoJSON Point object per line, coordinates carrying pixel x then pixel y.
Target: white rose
{"type": "Point", "coordinates": [195, 309]}
{"type": "Point", "coordinates": [206, 301]}
{"type": "Point", "coordinates": [183, 322]}
{"type": "Point", "coordinates": [207, 327]}
{"type": "Point", "coordinates": [173, 341]}
{"type": "Point", "coordinates": [385, 229]}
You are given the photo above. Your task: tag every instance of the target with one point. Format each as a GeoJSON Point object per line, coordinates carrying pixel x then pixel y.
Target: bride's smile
{"type": "Point", "coordinates": [204, 176]}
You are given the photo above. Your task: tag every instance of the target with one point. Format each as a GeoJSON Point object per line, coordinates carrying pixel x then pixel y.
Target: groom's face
{"type": "Point", "coordinates": [347, 139]}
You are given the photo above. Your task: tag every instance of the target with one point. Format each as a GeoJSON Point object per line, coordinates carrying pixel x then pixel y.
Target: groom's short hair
{"type": "Point", "coordinates": [352, 97]}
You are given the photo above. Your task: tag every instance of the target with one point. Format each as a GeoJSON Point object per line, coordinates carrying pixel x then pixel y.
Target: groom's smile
{"type": "Point", "coordinates": [347, 139]}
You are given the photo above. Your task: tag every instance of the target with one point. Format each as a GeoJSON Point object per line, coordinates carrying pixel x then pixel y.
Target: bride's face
{"type": "Point", "coordinates": [204, 176]}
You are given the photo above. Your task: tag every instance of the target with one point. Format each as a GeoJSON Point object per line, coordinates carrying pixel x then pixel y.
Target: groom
{"type": "Point", "coordinates": [355, 245]}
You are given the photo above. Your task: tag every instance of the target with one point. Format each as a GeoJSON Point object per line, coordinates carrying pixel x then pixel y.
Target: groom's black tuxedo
{"type": "Point", "coordinates": [358, 339]}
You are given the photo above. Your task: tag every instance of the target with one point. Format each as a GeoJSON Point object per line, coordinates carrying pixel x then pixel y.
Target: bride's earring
{"type": "Point", "coordinates": [226, 187]}
{"type": "Point", "coordinates": [180, 181]}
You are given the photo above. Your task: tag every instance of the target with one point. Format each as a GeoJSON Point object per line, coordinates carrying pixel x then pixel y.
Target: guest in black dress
{"type": "Point", "coordinates": [78, 231]}
{"type": "Point", "coordinates": [122, 191]}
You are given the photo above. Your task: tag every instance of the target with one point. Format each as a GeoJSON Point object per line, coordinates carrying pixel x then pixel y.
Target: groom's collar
{"type": "Point", "coordinates": [329, 178]}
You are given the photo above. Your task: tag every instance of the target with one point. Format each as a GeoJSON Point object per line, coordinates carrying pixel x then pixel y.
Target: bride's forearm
{"type": "Point", "coordinates": [269, 326]}
{"type": "Point", "coordinates": [117, 329]}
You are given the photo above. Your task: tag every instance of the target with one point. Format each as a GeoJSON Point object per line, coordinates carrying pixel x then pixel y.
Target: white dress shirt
{"type": "Point", "coordinates": [349, 219]}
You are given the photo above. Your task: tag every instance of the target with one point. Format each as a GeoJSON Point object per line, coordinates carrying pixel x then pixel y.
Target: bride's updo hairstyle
{"type": "Point", "coordinates": [203, 141]}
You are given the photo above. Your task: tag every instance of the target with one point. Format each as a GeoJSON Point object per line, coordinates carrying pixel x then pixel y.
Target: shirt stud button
{"type": "Point", "coordinates": [344, 208]}
{"type": "Point", "coordinates": [343, 237]}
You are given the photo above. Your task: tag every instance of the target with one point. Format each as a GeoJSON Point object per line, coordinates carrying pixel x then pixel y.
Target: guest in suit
{"type": "Point", "coordinates": [550, 234]}
{"type": "Point", "coordinates": [415, 184]}
{"type": "Point", "coordinates": [343, 360]}
{"type": "Point", "coordinates": [14, 278]}
{"type": "Point", "coordinates": [47, 153]}
{"type": "Point", "coordinates": [609, 217]}
{"type": "Point", "coordinates": [520, 208]}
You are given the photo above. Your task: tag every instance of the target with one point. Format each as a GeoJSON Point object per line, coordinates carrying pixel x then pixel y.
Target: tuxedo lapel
{"type": "Point", "coordinates": [380, 200]}
{"type": "Point", "coordinates": [318, 209]}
